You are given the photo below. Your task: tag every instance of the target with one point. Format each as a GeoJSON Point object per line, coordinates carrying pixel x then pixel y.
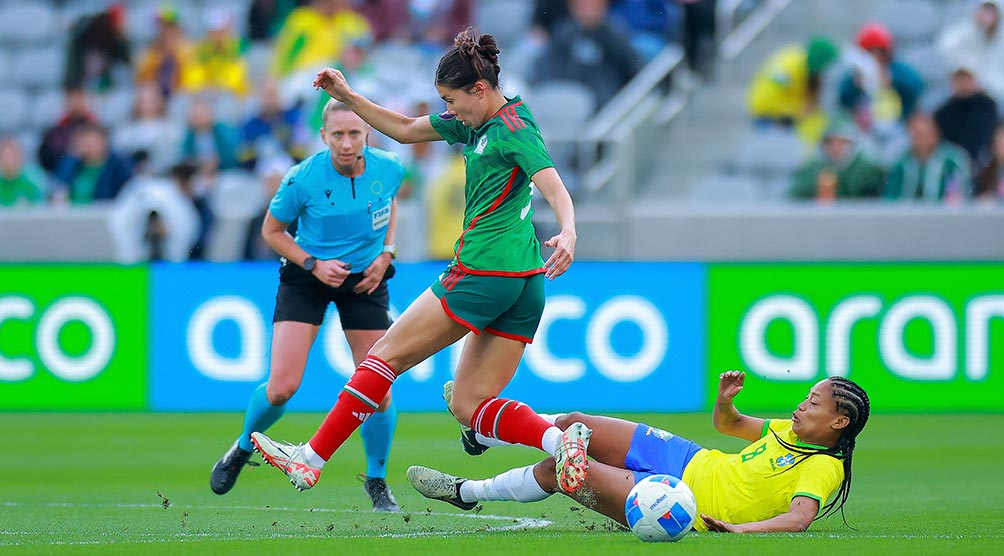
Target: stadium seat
{"type": "Point", "coordinates": [911, 22]}
{"type": "Point", "coordinates": [15, 110]}
{"type": "Point", "coordinates": [237, 195]}
{"type": "Point", "coordinates": [934, 96]}
{"type": "Point", "coordinates": [231, 109]}
{"type": "Point", "coordinates": [141, 19]}
{"type": "Point", "coordinates": [74, 9]}
{"type": "Point", "coordinates": [389, 59]}
{"type": "Point", "coordinates": [561, 107]}
{"type": "Point", "coordinates": [928, 62]}
{"type": "Point", "coordinates": [507, 20]}
{"type": "Point", "coordinates": [6, 66]}
{"type": "Point", "coordinates": [177, 107]}
{"type": "Point", "coordinates": [238, 10]}
{"type": "Point", "coordinates": [29, 23]}
{"type": "Point", "coordinates": [40, 67]}
{"type": "Point", "coordinates": [113, 108]}
{"type": "Point", "coordinates": [46, 108]}
{"type": "Point", "coordinates": [29, 141]}
{"type": "Point", "coordinates": [725, 189]}
{"type": "Point", "coordinates": [769, 154]}
{"type": "Point", "coordinates": [258, 58]}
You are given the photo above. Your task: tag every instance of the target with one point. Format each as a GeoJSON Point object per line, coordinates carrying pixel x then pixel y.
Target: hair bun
{"type": "Point", "coordinates": [489, 48]}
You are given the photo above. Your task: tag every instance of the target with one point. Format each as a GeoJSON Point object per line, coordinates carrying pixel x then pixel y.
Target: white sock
{"type": "Point", "coordinates": [552, 437]}
{"type": "Point", "coordinates": [492, 442]}
{"type": "Point", "coordinates": [515, 485]}
{"type": "Point", "coordinates": [313, 459]}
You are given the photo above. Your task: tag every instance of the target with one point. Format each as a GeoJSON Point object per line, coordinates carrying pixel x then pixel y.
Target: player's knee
{"type": "Point", "coordinates": [280, 392]}
{"type": "Point", "coordinates": [385, 403]}
{"type": "Point", "coordinates": [463, 412]}
{"type": "Point", "coordinates": [563, 421]}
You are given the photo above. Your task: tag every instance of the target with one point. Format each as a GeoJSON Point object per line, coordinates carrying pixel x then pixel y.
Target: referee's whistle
{"type": "Point", "coordinates": [347, 266]}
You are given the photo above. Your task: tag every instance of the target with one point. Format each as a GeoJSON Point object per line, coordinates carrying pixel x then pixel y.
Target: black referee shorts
{"type": "Point", "coordinates": [304, 298]}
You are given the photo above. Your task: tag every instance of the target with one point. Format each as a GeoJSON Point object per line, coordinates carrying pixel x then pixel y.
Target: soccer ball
{"type": "Point", "coordinates": [660, 508]}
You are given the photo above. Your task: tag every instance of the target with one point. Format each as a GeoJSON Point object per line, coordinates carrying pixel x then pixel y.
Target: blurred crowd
{"type": "Point", "coordinates": [178, 112]}
{"type": "Point", "coordinates": [919, 121]}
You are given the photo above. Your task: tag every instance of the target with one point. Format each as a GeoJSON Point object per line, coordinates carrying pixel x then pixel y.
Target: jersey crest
{"type": "Point", "coordinates": [482, 143]}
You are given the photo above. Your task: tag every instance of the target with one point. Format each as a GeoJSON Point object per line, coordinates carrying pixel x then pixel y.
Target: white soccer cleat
{"type": "Point", "coordinates": [288, 458]}
{"type": "Point", "coordinates": [438, 486]}
{"type": "Point", "coordinates": [570, 463]}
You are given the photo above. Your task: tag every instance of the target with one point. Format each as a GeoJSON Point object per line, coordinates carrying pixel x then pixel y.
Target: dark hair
{"type": "Point", "coordinates": [473, 56]}
{"type": "Point", "coordinates": [852, 401]}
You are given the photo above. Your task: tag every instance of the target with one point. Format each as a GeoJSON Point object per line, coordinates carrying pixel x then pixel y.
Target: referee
{"type": "Point", "coordinates": [344, 201]}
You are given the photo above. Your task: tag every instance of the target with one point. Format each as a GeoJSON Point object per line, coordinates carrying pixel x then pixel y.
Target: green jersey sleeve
{"type": "Point", "coordinates": [527, 150]}
{"type": "Point", "coordinates": [450, 128]}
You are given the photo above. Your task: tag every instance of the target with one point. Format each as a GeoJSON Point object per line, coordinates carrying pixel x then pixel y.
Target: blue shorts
{"type": "Point", "coordinates": [656, 452]}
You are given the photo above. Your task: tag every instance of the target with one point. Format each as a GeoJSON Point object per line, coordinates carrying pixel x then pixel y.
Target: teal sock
{"type": "Point", "coordinates": [259, 417]}
{"type": "Point", "coordinates": [377, 433]}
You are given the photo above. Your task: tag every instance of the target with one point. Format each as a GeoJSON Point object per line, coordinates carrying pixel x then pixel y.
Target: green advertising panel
{"type": "Point", "coordinates": [73, 337]}
{"type": "Point", "coordinates": [917, 337]}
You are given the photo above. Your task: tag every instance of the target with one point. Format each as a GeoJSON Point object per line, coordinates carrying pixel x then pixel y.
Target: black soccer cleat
{"type": "Point", "coordinates": [226, 470]}
{"type": "Point", "coordinates": [468, 438]}
{"type": "Point", "coordinates": [380, 494]}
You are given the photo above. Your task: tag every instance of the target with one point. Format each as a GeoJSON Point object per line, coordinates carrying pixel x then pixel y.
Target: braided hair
{"type": "Point", "coordinates": [473, 56]}
{"type": "Point", "coordinates": [852, 401]}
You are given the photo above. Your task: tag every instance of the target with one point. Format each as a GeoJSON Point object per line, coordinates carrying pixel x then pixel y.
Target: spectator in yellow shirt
{"type": "Point", "coordinates": [316, 34]}
{"type": "Point", "coordinates": [786, 87]}
{"type": "Point", "coordinates": [166, 59]}
{"type": "Point", "coordinates": [218, 63]}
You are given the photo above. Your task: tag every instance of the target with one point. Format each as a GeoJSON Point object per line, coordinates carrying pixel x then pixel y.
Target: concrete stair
{"type": "Point", "coordinates": [702, 139]}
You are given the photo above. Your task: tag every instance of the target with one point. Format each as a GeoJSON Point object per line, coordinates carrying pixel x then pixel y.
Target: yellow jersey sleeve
{"type": "Point", "coordinates": [820, 479]}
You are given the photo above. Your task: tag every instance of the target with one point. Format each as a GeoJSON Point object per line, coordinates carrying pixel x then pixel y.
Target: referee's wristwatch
{"type": "Point", "coordinates": [309, 263]}
{"type": "Point", "coordinates": [392, 249]}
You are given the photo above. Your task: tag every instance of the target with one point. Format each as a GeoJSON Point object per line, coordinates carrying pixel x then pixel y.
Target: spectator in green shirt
{"type": "Point", "coordinates": [840, 171]}
{"type": "Point", "coordinates": [19, 184]}
{"type": "Point", "coordinates": [932, 169]}
{"type": "Point", "coordinates": [92, 172]}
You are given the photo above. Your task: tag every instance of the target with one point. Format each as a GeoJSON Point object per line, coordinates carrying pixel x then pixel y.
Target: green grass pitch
{"type": "Point", "coordinates": [138, 484]}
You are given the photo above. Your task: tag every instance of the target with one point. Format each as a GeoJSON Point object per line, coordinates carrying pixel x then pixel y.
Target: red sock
{"type": "Point", "coordinates": [509, 421]}
{"type": "Point", "coordinates": [358, 400]}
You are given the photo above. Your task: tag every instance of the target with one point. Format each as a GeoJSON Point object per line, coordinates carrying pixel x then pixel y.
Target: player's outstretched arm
{"type": "Point", "coordinates": [796, 520]}
{"type": "Point", "coordinates": [397, 126]}
{"type": "Point", "coordinates": [727, 418]}
{"type": "Point", "coordinates": [549, 184]}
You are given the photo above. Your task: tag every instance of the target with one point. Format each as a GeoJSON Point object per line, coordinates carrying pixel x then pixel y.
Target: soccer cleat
{"type": "Point", "coordinates": [468, 438]}
{"type": "Point", "coordinates": [570, 461]}
{"type": "Point", "coordinates": [438, 486]}
{"type": "Point", "coordinates": [288, 458]}
{"type": "Point", "coordinates": [226, 470]}
{"type": "Point", "coordinates": [380, 494]}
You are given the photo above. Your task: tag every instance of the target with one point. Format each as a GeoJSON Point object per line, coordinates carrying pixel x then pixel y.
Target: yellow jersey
{"type": "Point", "coordinates": [759, 482]}
{"type": "Point", "coordinates": [309, 39]}
{"type": "Point", "coordinates": [780, 87]}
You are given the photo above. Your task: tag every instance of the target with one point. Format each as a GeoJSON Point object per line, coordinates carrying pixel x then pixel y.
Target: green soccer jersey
{"type": "Point", "coordinates": [501, 155]}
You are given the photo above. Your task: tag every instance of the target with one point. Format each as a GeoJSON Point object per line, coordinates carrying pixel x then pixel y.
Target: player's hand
{"type": "Point", "coordinates": [373, 275]}
{"type": "Point", "coordinates": [331, 272]}
{"type": "Point", "coordinates": [730, 383]}
{"type": "Point", "coordinates": [719, 526]}
{"type": "Point", "coordinates": [333, 82]}
{"type": "Point", "coordinates": [564, 254]}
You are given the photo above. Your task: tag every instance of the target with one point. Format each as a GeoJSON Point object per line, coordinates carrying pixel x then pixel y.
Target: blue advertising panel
{"type": "Point", "coordinates": [614, 337]}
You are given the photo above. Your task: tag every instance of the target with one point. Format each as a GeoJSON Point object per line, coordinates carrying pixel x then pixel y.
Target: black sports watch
{"type": "Point", "coordinates": [309, 263]}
